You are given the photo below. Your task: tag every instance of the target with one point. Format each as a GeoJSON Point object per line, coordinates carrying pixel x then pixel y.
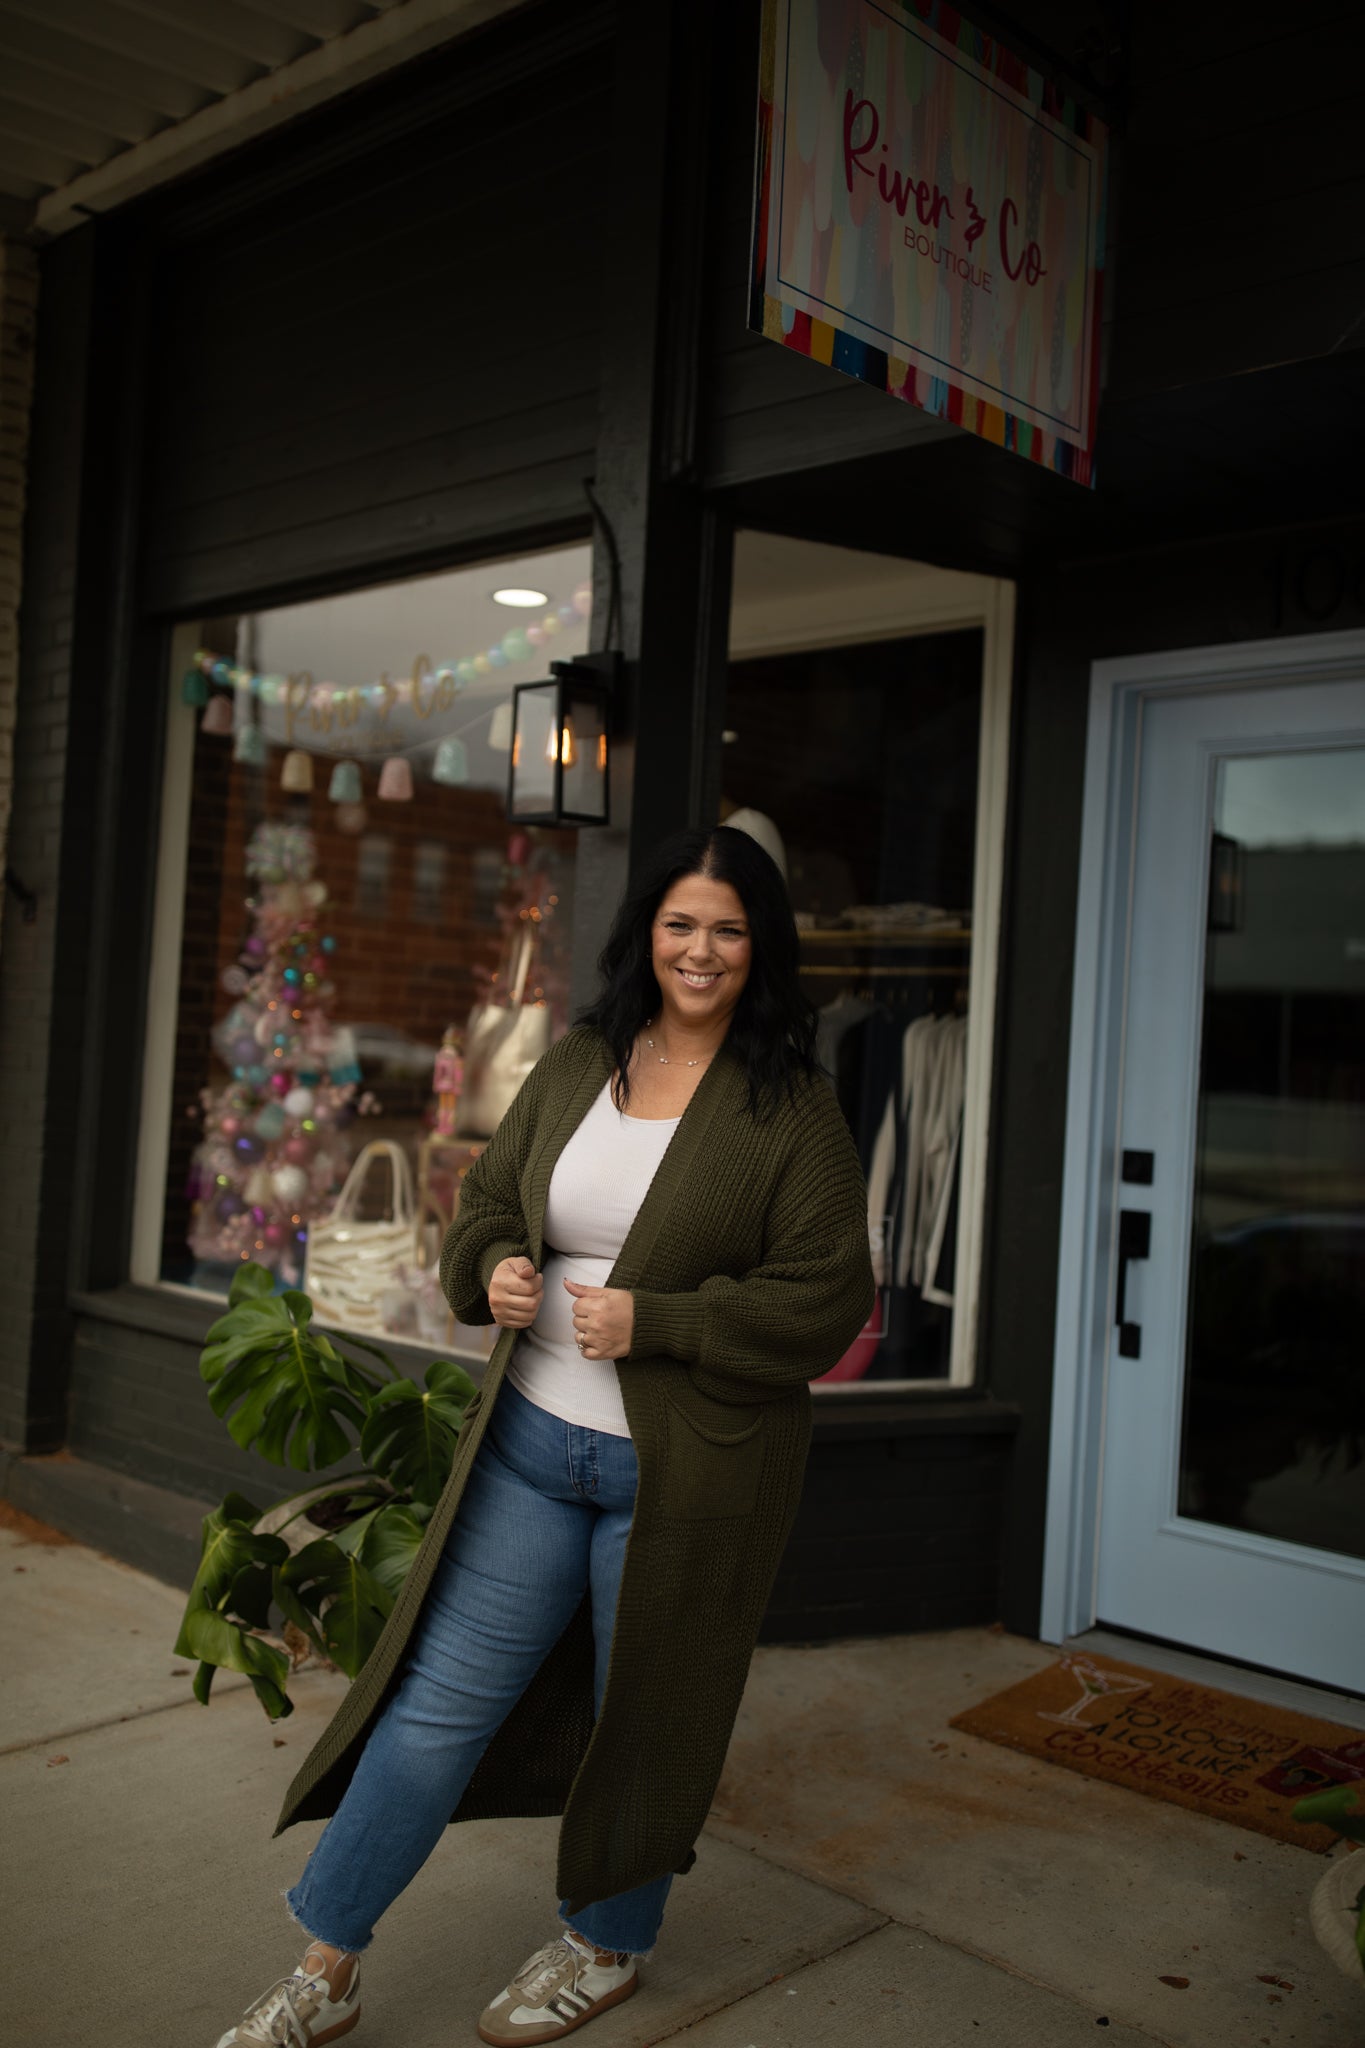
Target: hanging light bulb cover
{"type": "Point", "coordinates": [297, 773]}
{"type": "Point", "coordinates": [451, 765]}
{"type": "Point", "coordinates": [345, 786]}
{"type": "Point", "coordinates": [249, 746]}
{"type": "Point", "coordinates": [194, 687]}
{"type": "Point", "coordinates": [559, 772]}
{"type": "Point", "coordinates": [500, 727]}
{"type": "Point", "coordinates": [217, 717]}
{"type": "Point", "coordinates": [395, 780]}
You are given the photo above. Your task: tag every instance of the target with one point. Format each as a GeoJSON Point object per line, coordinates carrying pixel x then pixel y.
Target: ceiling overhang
{"type": "Point", "coordinates": [103, 100]}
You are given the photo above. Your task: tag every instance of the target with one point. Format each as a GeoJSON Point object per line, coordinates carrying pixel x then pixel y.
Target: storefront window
{"type": "Point", "coordinates": [370, 959]}
{"type": "Point", "coordinates": [855, 759]}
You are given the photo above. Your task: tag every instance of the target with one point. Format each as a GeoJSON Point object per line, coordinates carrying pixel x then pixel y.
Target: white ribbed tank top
{"type": "Point", "coordinates": [600, 1179]}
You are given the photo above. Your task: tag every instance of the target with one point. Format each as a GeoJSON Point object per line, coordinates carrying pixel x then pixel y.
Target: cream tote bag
{"type": "Point", "coordinates": [350, 1264]}
{"type": "Point", "coordinates": [502, 1043]}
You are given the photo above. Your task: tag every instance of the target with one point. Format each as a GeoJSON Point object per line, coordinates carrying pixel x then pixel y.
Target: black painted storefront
{"type": "Point", "coordinates": [398, 336]}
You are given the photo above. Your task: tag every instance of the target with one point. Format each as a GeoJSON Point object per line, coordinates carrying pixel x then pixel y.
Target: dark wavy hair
{"type": "Point", "coordinates": [772, 1031]}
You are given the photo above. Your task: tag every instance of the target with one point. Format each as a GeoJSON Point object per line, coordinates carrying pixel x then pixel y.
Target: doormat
{"type": "Point", "coordinates": [1175, 1739]}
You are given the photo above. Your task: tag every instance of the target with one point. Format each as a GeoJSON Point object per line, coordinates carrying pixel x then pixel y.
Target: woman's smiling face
{"type": "Point", "coordinates": [702, 950]}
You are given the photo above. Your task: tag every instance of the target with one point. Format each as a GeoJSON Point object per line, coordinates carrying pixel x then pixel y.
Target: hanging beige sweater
{"type": "Point", "coordinates": [748, 1261]}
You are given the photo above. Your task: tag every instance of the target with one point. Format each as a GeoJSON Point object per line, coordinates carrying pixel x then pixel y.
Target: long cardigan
{"type": "Point", "coordinates": [749, 1266]}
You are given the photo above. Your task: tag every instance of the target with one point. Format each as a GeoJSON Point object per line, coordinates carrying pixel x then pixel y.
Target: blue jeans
{"type": "Point", "coordinates": [545, 1515]}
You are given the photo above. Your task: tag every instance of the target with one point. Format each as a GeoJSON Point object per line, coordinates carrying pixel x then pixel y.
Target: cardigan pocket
{"type": "Point", "coordinates": [714, 1459]}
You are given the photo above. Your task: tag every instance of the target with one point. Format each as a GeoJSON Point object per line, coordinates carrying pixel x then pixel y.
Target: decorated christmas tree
{"type": "Point", "coordinates": [272, 1153]}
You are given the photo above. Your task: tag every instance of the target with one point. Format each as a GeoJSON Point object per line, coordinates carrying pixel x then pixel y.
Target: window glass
{"type": "Point", "coordinates": [856, 766]}
{"type": "Point", "coordinates": [371, 958]}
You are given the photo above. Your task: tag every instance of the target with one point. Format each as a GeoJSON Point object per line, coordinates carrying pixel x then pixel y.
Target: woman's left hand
{"type": "Point", "coordinates": [603, 1320]}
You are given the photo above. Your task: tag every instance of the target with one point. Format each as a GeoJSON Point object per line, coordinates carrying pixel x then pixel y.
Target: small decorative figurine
{"type": "Point", "coordinates": [447, 1079]}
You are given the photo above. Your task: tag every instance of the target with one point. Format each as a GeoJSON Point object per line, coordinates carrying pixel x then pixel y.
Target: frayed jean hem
{"type": "Point", "coordinates": [639, 1955]}
{"type": "Point", "coordinates": [349, 1948]}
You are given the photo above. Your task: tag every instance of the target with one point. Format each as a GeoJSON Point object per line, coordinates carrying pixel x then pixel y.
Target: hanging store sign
{"type": "Point", "coordinates": [929, 218]}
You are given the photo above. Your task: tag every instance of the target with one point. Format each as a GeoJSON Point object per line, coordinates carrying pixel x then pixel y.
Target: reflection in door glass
{"type": "Point", "coordinates": [1274, 1423]}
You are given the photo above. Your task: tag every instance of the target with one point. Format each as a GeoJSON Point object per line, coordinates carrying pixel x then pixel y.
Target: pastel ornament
{"type": "Point", "coordinates": [298, 1150]}
{"type": "Point", "coordinates": [395, 780]}
{"type": "Point", "coordinates": [290, 1183]}
{"type": "Point", "coordinates": [280, 1083]}
{"type": "Point", "coordinates": [270, 1123]}
{"type": "Point", "coordinates": [451, 765]}
{"type": "Point", "coordinates": [298, 1102]}
{"type": "Point", "coordinates": [345, 786]}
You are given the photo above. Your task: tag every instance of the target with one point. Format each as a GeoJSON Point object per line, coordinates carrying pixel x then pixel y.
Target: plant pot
{"type": "Point", "coordinates": [1333, 1912]}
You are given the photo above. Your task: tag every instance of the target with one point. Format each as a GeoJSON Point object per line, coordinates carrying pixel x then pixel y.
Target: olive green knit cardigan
{"type": "Point", "coordinates": [749, 1265]}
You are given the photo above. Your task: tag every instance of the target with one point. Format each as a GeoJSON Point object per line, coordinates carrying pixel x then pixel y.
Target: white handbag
{"type": "Point", "coordinates": [350, 1264]}
{"type": "Point", "coordinates": [502, 1043]}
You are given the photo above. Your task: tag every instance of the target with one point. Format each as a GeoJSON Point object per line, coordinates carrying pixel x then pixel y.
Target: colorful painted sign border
{"type": "Point", "coordinates": [825, 342]}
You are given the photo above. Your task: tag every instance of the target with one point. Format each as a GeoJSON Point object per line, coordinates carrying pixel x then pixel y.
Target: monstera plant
{"type": "Point", "coordinates": [328, 1559]}
{"type": "Point", "coordinates": [1338, 1905]}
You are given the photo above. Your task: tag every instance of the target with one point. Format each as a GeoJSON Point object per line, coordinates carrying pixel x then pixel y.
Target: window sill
{"type": "Point", "coordinates": [177, 1313]}
{"type": "Point", "coordinates": [961, 1411]}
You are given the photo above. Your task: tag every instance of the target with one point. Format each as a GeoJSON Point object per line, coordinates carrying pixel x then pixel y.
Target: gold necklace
{"type": "Point", "coordinates": [664, 1062]}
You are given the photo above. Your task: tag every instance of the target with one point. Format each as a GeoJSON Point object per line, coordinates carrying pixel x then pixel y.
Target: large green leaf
{"type": "Point", "coordinates": [230, 1597]}
{"type": "Point", "coordinates": [230, 1545]}
{"type": "Point", "coordinates": [1340, 1806]}
{"type": "Point", "coordinates": [220, 1641]}
{"type": "Point", "coordinates": [294, 1394]}
{"type": "Point", "coordinates": [411, 1433]}
{"type": "Point", "coordinates": [349, 1604]}
{"type": "Point", "coordinates": [391, 1542]}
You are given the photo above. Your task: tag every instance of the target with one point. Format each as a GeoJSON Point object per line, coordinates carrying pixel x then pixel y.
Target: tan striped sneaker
{"type": "Point", "coordinates": [562, 1986]}
{"type": "Point", "coordinates": [305, 2010]}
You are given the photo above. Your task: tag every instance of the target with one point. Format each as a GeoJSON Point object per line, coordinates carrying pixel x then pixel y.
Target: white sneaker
{"type": "Point", "coordinates": [561, 1987]}
{"type": "Point", "coordinates": [302, 2011]}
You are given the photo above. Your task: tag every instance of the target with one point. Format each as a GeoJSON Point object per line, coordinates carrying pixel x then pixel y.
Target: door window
{"type": "Point", "coordinates": [1273, 1433]}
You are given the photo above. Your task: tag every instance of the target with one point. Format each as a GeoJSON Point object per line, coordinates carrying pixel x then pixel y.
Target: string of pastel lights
{"type": "Point", "coordinates": [217, 686]}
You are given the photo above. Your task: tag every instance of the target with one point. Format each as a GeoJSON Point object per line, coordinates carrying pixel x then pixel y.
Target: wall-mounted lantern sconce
{"type": "Point", "coordinates": [561, 744]}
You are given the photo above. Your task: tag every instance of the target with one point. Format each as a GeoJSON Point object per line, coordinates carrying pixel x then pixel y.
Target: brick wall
{"type": "Point", "coordinates": [412, 905]}
{"type": "Point", "coordinates": [18, 306]}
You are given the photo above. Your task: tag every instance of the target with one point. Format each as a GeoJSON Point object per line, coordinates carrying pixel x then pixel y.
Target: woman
{"type": "Point", "coordinates": [670, 1230]}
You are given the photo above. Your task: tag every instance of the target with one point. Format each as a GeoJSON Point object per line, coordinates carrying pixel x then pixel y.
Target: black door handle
{"type": "Point", "coordinates": [1135, 1242]}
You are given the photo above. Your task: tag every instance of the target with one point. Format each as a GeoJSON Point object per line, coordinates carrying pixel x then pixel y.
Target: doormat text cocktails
{"type": "Point", "coordinates": [1175, 1739]}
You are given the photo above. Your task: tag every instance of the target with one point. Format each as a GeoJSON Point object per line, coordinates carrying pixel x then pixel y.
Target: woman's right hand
{"type": "Point", "coordinates": [515, 1292]}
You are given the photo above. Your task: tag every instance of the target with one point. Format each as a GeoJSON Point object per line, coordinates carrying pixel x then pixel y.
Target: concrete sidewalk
{"type": "Point", "coordinates": [868, 1877]}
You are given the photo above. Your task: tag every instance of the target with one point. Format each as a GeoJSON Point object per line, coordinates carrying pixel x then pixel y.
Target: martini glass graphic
{"type": "Point", "coordinates": [1094, 1685]}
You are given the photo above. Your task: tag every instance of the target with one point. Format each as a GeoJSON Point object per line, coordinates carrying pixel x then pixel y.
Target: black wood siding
{"type": "Point", "coordinates": [372, 364]}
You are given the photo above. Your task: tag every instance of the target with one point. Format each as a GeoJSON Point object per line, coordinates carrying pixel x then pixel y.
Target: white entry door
{"type": "Point", "coordinates": [1232, 1499]}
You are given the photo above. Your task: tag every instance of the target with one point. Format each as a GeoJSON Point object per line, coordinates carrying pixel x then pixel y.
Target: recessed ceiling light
{"type": "Point", "coordinates": [523, 598]}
